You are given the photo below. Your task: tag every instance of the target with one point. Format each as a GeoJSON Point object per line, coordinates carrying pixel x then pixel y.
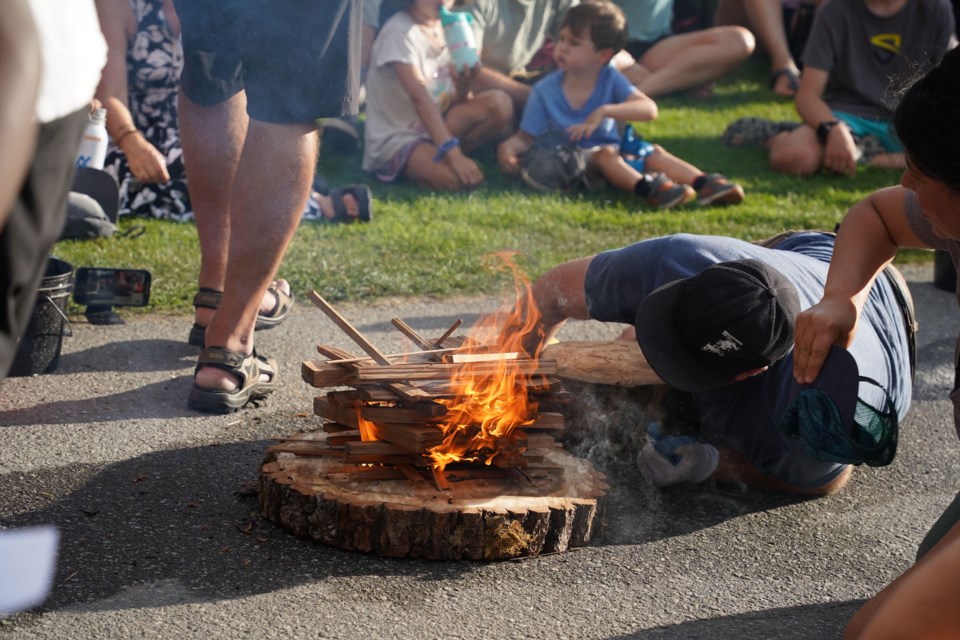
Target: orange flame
{"type": "Point", "coordinates": [490, 401]}
{"type": "Point", "coordinates": [368, 430]}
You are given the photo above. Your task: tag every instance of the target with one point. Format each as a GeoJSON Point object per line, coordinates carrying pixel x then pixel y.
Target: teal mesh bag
{"type": "Point", "coordinates": [814, 419]}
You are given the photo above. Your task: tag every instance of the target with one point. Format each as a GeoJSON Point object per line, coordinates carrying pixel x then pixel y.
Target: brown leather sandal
{"type": "Point", "coordinates": [247, 369]}
{"type": "Point", "coordinates": [210, 299]}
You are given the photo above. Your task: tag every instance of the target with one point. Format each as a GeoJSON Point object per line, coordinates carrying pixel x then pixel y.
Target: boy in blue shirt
{"type": "Point", "coordinates": [586, 97]}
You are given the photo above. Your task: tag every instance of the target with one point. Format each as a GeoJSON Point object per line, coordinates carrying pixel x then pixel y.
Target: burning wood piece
{"type": "Point", "coordinates": [438, 453]}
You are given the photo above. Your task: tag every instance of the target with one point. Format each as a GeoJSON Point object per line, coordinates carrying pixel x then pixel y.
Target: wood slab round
{"type": "Point", "coordinates": [557, 507]}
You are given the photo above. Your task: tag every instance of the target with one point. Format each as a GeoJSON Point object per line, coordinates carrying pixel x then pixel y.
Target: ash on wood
{"type": "Point", "coordinates": [371, 478]}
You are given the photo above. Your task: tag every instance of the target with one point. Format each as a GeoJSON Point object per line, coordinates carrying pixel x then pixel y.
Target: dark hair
{"type": "Point", "coordinates": [602, 19]}
{"type": "Point", "coordinates": [927, 121]}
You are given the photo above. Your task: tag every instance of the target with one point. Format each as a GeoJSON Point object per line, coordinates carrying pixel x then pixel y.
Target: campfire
{"type": "Point", "coordinates": [457, 429]}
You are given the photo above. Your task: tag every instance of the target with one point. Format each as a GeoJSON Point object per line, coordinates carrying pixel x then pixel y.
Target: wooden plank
{"type": "Point", "coordinates": [352, 332]}
{"type": "Point", "coordinates": [410, 437]}
{"type": "Point", "coordinates": [410, 473]}
{"type": "Point", "coordinates": [439, 479]}
{"type": "Point", "coordinates": [445, 371]}
{"type": "Point", "coordinates": [421, 356]}
{"type": "Point", "coordinates": [414, 337]}
{"type": "Point", "coordinates": [343, 415]}
{"type": "Point", "coordinates": [401, 415]}
{"type": "Point", "coordinates": [407, 391]}
{"type": "Point", "coordinates": [444, 340]}
{"type": "Point", "coordinates": [374, 448]}
{"type": "Point", "coordinates": [481, 357]}
{"type": "Point", "coordinates": [318, 373]}
{"type": "Point", "coordinates": [546, 421]}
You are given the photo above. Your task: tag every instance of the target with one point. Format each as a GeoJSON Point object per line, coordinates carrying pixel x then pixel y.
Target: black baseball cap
{"type": "Point", "coordinates": [699, 333]}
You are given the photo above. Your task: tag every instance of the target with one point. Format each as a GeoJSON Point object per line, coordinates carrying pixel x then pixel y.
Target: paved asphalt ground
{"type": "Point", "coordinates": [161, 538]}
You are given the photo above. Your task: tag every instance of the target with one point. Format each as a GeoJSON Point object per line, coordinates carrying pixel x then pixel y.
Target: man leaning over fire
{"type": "Point", "coordinates": [714, 317]}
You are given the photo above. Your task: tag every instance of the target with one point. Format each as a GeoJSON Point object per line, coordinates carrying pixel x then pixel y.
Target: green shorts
{"type": "Point", "coordinates": [880, 129]}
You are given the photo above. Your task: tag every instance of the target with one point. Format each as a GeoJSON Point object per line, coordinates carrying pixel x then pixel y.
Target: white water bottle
{"type": "Point", "coordinates": [460, 39]}
{"type": "Point", "coordinates": [93, 145]}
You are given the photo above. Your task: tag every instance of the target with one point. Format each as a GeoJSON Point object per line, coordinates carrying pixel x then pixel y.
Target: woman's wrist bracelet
{"type": "Point", "coordinates": [124, 135]}
{"type": "Point", "coordinates": [445, 147]}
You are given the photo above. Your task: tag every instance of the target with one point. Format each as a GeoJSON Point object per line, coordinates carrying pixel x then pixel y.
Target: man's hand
{"type": "Point", "coordinates": [667, 460]}
{"type": "Point", "coordinates": [830, 321]}
{"type": "Point", "coordinates": [841, 153]}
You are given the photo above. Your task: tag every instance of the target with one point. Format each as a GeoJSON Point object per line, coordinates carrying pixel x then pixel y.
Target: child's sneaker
{"type": "Point", "coordinates": [718, 190]}
{"type": "Point", "coordinates": [666, 194]}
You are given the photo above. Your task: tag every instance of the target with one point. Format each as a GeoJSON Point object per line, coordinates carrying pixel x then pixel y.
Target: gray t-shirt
{"type": "Point", "coordinates": [869, 57]}
{"type": "Point", "coordinates": [510, 32]}
{"type": "Point", "coordinates": [743, 416]}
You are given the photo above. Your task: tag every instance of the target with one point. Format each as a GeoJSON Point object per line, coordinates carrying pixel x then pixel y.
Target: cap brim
{"type": "Point", "coordinates": [839, 378]}
{"type": "Point", "coordinates": [100, 186]}
{"type": "Point", "coordinates": [666, 354]}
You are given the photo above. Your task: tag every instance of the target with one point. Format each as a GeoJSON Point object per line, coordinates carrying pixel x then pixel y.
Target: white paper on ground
{"type": "Point", "coordinates": [28, 557]}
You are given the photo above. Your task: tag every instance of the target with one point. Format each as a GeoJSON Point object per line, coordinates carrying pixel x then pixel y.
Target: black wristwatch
{"type": "Point", "coordinates": [824, 129]}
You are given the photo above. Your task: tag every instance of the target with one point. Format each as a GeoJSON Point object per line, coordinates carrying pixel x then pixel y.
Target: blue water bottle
{"type": "Point", "coordinates": [460, 39]}
{"type": "Point", "coordinates": [633, 149]}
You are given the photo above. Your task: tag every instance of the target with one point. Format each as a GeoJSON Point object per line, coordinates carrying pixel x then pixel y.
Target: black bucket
{"type": "Point", "coordinates": [39, 349]}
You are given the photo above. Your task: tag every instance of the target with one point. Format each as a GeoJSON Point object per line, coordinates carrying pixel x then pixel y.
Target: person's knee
{"type": "Point", "coordinates": [739, 41]}
{"type": "Point", "coordinates": [498, 106]}
{"type": "Point", "coordinates": [794, 159]}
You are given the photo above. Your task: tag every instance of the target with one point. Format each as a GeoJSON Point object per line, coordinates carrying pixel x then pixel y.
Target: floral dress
{"type": "Point", "coordinates": [154, 61]}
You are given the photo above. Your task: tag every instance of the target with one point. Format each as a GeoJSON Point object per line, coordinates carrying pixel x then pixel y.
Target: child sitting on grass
{"type": "Point", "coordinates": [422, 117]}
{"type": "Point", "coordinates": [585, 97]}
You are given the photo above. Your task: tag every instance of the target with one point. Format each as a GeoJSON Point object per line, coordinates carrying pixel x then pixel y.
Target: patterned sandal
{"type": "Point", "coordinates": [210, 299]}
{"type": "Point", "coordinates": [247, 369]}
{"type": "Point", "coordinates": [754, 132]}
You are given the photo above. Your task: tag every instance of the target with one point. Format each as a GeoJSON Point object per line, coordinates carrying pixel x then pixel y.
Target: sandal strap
{"type": "Point", "coordinates": [232, 362]}
{"type": "Point", "coordinates": [283, 301]}
{"type": "Point", "coordinates": [207, 298]}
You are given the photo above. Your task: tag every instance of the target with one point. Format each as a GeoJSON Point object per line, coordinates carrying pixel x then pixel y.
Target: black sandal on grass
{"type": "Point", "coordinates": [210, 299]}
{"type": "Point", "coordinates": [247, 369]}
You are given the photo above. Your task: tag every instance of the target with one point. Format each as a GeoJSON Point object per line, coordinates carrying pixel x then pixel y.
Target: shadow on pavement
{"type": "Point", "coordinates": [188, 518]}
{"type": "Point", "coordinates": [130, 357]}
{"type": "Point", "coordinates": [165, 399]}
{"type": "Point", "coordinates": [823, 621]}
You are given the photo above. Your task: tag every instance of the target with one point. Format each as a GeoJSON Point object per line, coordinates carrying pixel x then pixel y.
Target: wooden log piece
{"type": "Point", "coordinates": [613, 362]}
{"type": "Point", "coordinates": [483, 517]}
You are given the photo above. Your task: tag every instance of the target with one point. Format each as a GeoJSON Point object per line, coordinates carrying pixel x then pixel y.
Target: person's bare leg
{"type": "Point", "coordinates": [488, 117]}
{"type": "Point", "coordinates": [676, 169]}
{"type": "Point", "coordinates": [796, 152]}
{"type": "Point", "coordinates": [269, 192]}
{"type": "Point", "coordinates": [691, 59]}
{"type": "Point", "coordinates": [212, 138]}
{"type": "Point", "coordinates": [608, 162]}
{"type": "Point", "coordinates": [765, 19]}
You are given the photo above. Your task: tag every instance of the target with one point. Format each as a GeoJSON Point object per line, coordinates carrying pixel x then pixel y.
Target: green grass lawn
{"type": "Point", "coordinates": [423, 243]}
